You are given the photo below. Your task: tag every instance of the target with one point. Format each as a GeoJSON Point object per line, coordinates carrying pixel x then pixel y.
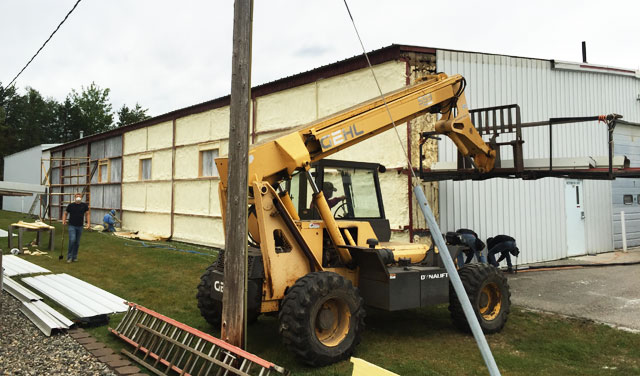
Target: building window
{"type": "Point", "coordinates": [208, 163]}
{"type": "Point", "coordinates": [627, 199]}
{"type": "Point", "coordinates": [103, 171]}
{"type": "Point", "coordinates": [145, 169]}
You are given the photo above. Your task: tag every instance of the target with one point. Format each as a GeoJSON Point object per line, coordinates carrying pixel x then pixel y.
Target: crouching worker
{"type": "Point", "coordinates": [109, 221]}
{"type": "Point", "coordinates": [471, 245]}
{"type": "Point", "coordinates": [506, 246]}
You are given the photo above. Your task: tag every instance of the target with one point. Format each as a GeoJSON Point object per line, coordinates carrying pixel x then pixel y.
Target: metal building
{"type": "Point", "coordinates": [167, 185]}
{"type": "Point", "coordinates": [25, 167]}
{"type": "Point", "coordinates": [551, 218]}
{"type": "Point", "coordinates": [626, 192]}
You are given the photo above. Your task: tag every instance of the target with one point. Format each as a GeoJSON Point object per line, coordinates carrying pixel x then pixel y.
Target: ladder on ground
{"type": "Point", "coordinates": [166, 346]}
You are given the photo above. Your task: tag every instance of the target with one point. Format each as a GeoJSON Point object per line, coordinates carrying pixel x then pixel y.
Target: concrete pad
{"type": "Point", "coordinates": [604, 294]}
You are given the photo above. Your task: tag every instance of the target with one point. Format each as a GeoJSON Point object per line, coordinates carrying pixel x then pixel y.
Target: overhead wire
{"type": "Point", "coordinates": [44, 44]}
{"type": "Point", "coordinates": [386, 105]}
{"type": "Point", "coordinates": [457, 284]}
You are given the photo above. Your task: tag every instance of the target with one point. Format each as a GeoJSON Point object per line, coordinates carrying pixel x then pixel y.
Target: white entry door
{"type": "Point", "coordinates": [575, 217]}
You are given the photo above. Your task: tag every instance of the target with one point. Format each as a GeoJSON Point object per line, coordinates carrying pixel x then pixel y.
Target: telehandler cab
{"type": "Point", "coordinates": [319, 249]}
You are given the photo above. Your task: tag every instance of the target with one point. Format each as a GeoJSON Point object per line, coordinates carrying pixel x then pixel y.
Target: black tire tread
{"type": "Point", "coordinates": [473, 276]}
{"type": "Point", "coordinates": [210, 308]}
{"type": "Point", "coordinates": [295, 311]}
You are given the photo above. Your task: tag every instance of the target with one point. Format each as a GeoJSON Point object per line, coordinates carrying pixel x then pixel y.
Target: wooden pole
{"type": "Point", "coordinates": [235, 270]}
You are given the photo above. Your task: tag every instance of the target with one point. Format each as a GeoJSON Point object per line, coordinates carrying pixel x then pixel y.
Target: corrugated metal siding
{"type": "Point", "coordinates": [22, 167]}
{"type": "Point", "coordinates": [626, 139]}
{"type": "Point", "coordinates": [533, 211]}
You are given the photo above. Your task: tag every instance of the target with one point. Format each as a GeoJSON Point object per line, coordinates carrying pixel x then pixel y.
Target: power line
{"type": "Point", "coordinates": [44, 44]}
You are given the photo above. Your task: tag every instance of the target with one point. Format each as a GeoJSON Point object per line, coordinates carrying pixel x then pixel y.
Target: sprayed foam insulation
{"type": "Point", "coordinates": [161, 165]}
{"type": "Point", "coordinates": [135, 141]}
{"type": "Point", "coordinates": [394, 197]}
{"type": "Point", "coordinates": [134, 196]}
{"type": "Point", "coordinates": [295, 106]}
{"type": "Point", "coordinates": [146, 196]}
{"type": "Point", "coordinates": [160, 136]}
{"type": "Point", "coordinates": [207, 231]}
{"type": "Point", "coordinates": [159, 197]}
{"type": "Point", "coordinates": [131, 168]}
{"type": "Point", "coordinates": [203, 127]}
{"type": "Point", "coordinates": [200, 198]}
{"type": "Point", "coordinates": [285, 109]}
{"type": "Point", "coordinates": [152, 223]}
{"type": "Point", "coordinates": [187, 159]}
{"type": "Point", "coordinates": [340, 92]}
{"type": "Point", "coordinates": [148, 138]}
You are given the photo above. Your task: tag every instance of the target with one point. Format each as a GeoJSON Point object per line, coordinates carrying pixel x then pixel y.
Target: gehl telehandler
{"type": "Point", "coordinates": [317, 267]}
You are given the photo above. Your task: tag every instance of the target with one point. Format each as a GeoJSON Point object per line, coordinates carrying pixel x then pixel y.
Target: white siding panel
{"type": "Point", "coordinates": [627, 142]}
{"type": "Point", "coordinates": [533, 211]}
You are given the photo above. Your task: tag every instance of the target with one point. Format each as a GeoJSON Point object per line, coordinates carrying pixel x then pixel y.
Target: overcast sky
{"type": "Point", "coordinates": [171, 54]}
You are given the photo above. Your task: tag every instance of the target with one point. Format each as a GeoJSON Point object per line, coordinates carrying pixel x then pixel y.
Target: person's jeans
{"type": "Point", "coordinates": [74, 242]}
{"type": "Point", "coordinates": [109, 227]}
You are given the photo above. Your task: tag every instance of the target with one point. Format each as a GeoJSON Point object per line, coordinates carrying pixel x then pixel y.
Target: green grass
{"type": "Point", "coordinates": [419, 342]}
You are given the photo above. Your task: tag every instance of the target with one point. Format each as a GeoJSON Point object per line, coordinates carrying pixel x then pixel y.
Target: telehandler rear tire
{"type": "Point", "coordinates": [322, 318]}
{"type": "Point", "coordinates": [489, 294]}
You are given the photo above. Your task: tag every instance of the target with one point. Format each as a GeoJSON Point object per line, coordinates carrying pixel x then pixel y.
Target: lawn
{"type": "Point", "coordinates": [419, 342]}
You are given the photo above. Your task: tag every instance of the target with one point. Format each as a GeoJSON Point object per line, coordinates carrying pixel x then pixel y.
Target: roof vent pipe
{"type": "Point", "coordinates": [584, 51]}
{"type": "Point", "coordinates": [81, 134]}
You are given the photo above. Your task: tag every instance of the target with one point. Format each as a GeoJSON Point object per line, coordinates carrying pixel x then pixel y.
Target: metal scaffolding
{"type": "Point", "coordinates": [64, 178]}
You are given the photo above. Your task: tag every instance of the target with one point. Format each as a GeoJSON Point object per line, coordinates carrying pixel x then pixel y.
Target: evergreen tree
{"type": "Point", "coordinates": [128, 115]}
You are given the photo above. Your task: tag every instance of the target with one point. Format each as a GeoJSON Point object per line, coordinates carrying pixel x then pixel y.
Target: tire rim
{"type": "Point", "coordinates": [332, 322]}
{"type": "Point", "coordinates": [490, 302]}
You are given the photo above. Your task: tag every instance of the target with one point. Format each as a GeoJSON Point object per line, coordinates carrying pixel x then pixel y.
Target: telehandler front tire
{"type": "Point", "coordinates": [488, 291]}
{"type": "Point", "coordinates": [322, 318]}
{"type": "Point", "coordinates": [210, 308]}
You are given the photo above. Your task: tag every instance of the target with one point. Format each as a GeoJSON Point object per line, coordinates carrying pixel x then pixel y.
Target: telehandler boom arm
{"type": "Point", "coordinates": [276, 160]}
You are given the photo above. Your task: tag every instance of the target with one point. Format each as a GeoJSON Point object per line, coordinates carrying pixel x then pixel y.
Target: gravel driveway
{"type": "Point", "coordinates": [24, 350]}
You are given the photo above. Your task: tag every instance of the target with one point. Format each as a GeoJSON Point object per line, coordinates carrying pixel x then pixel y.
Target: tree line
{"type": "Point", "coordinates": [31, 119]}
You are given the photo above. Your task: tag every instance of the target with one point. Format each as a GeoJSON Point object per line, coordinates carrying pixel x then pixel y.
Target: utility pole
{"type": "Point", "coordinates": [235, 268]}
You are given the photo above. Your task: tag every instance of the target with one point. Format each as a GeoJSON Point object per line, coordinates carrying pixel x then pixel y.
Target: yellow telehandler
{"type": "Point", "coordinates": [319, 249]}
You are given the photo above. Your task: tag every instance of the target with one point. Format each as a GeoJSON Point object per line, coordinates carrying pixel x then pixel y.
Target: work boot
{"type": "Point", "coordinates": [510, 271]}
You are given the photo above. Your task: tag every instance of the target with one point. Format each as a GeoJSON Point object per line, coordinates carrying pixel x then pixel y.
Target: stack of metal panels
{"type": "Point", "coordinates": [21, 293]}
{"type": "Point", "coordinates": [81, 298]}
{"type": "Point", "coordinates": [44, 317]}
{"type": "Point", "coordinates": [14, 265]}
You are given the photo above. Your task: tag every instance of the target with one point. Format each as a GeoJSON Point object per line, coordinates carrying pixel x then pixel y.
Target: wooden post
{"type": "Point", "coordinates": [235, 270]}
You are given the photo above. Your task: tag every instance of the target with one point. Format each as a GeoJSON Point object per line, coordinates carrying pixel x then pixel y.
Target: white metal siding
{"type": "Point", "coordinates": [24, 167]}
{"type": "Point", "coordinates": [627, 142]}
{"type": "Point", "coordinates": [533, 211]}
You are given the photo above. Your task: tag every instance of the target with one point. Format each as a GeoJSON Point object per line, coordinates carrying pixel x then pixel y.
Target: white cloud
{"type": "Point", "coordinates": [168, 55]}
